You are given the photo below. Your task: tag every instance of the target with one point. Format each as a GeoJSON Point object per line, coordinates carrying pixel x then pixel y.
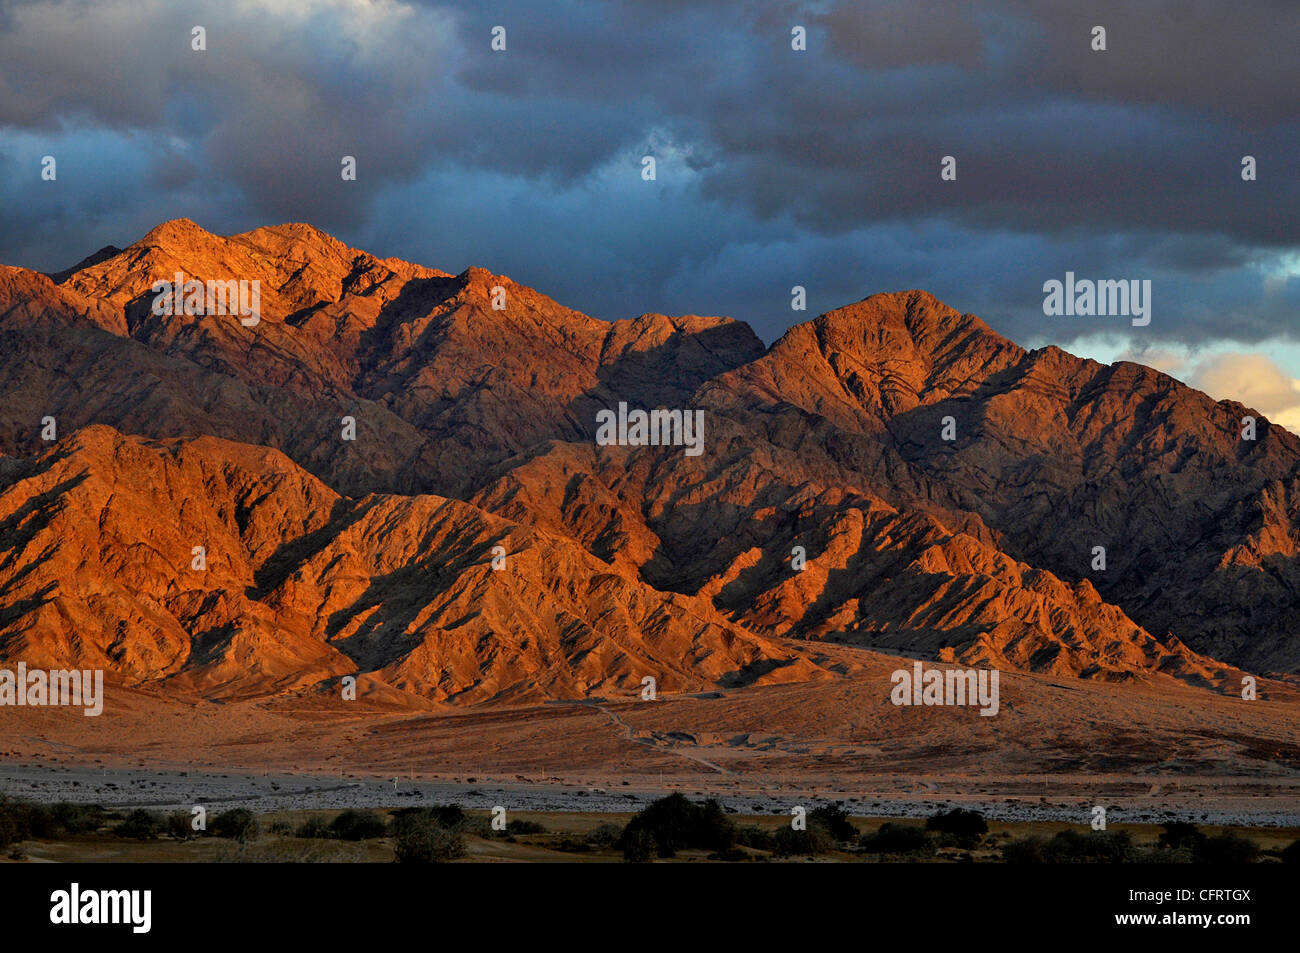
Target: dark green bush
{"type": "Point", "coordinates": [676, 823]}
{"type": "Point", "coordinates": [638, 845]}
{"type": "Point", "coordinates": [358, 825]}
{"type": "Point", "coordinates": [420, 839]}
{"type": "Point", "coordinates": [755, 837]}
{"type": "Point", "coordinates": [960, 841]}
{"type": "Point", "coordinates": [572, 844]}
{"type": "Point", "coordinates": [836, 822]}
{"type": "Point", "coordinates": [78, 818]}
{"type": "Point", "coordinates": [1111, 847]}
{"type": "Point", "coordinates": [1180, 834]}
{"type": "Point", "coordinates": [315, 828]}
{"type": "Point", "coordinates": [179, 824]}
{"type": "Point", "coordinates": [524, 827]}
{"type": "Point", "coordinates": [1225, 848]}
{"type": "Point", "coordinates": [41, 822]}
{"type": "Point", "coordinates": [448, 816]}
{"type": "Point", "coordinates": [141, 824]}
{"type": "Point", "coordinates": [604, 835]}
{"type": "Point", "coordinates": [959, 822]}
{"type": "Point", "coordinates": [1069, 847]}
{"type": "Point", "coordinates": [899, 839]}
{"type": "Point", "coordinates": [1291, 853]}
{"type": "Point", "coordinates": [240, 824]}
{"type": "Point", "coordinates": [13, 821]}
{"type": "Point", "coordinates": [21, 819]}
{"type": "Point", "coordinates": [788, 842]}
{"type": "Point", "coordinates": [1025, 850]}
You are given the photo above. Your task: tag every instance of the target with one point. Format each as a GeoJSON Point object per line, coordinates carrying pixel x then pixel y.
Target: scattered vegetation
{"type": "Point", "coordinates": [958, 828]}
{"type": "Point", "coordinates": [358, 825]}
{"type": "Point", "coordinates": [663, 829]}
{"type": "Point", "coordinates": [515, 828]}
{"type": "Point", "coordinates": [25, 820]}
{"type": "Point", "coordinates": [1180, 834]}
{"type": "Point", "coordinates": [179, 824]}
{"type": "Point", "coordinates": [902, 839]}
{"type": "Point", "coordinates": [314, 828]}
{"type": "Point", "coordinates": [288, 852]}
{"type": "Point", "coordinates": [1067, 847]}
{"type": "Point", "coordinates": [1226, 848]}
{"type": "Point", "coordinates": [239, 824]}
{"type": "Point", "coordinates": [675, 823]}
{"type": "Point", "coordinates": [755, 838]}
{"type": "Point", "coordinates": [141, 825]}
{"type": "Point", "coordinates": [788, 842]}
{"type": "Point", "coordinates": [604, 835]}
{"type": "Point", "coordinates": [836, 822]}
{"type": "Point", "coordinates": [420, 838]}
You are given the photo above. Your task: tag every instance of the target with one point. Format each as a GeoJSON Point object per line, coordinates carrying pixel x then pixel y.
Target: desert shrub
{"type": "Point", "coordinates": [1178, 834]}
{"type": "Point", "coordinates": [141, 824]}
{"type": "Point", "coordinates": [479, 826]}
{"type": "Point", "coordinates": [676, 823]}
{"type": "Point", "coordinates": [282, 828]}
{"type": "Point", "coordinates": [755, 837]}
{"type": "Point", "coordinates": [78, 818]}
{"type": "Point", "coordinates": [446, 815]}
{"type": "Point", "coordinates": [1154, 854]}
{"type": "Point", "coordinates": [960, 823]}
{"type": "Point", "coordinates": [524, 827]}
{"type": "Point", "coordinates": [40, 821]}
{"type": "Point", "coordinates": [1024, 850]}
{"type": "Point", "coordinates": [899, 839]}
{"type": "Point", "coordinates": [960, 841]}
{"type": "Point", "coordinates": [288, 852]}
{"type": "Point", "coordinates": [13, 821]}
{"type": "Point", "coordinates": [358, 825]}
{"type": "Point", "coordinates": [835, 820]}
{"type": "Point", "coordinates": [604, 835]}
{"type": "Point", "coordinates": [788, 842]}
{"type": "Point", "coordinates": [1225, 848]}
{"type": "Point", "coordinates": [1291, 854]}
{"type": "Point", "coordinates": [178, 824]}
{"type": "Point", "coordinates": [572, 844]}
{"type": "Point", "coordinates": [240, 824]}
{"type": "Point", "coordinates": [1092, 847]}
{"type": "Point", "coordinates": [420, 839]}
{"type": "Point", "coordinates": [449, 816]}
{"type": "Point", "coordinates": [1068, 847]}
{"type": "Point", "coordinates": [314, 828]}
{"type": "Point", "coordinates": [638, 845]}
{"type": "Point", "coordinates": [21, 819]}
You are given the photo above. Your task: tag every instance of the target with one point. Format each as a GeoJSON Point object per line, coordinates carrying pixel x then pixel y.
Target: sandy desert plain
{"type": "Point", "coordinates": [1057, 748]}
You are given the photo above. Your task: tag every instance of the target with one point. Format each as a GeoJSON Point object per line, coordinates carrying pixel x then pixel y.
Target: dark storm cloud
{"type": "Point", "coordinates": [776, 167]}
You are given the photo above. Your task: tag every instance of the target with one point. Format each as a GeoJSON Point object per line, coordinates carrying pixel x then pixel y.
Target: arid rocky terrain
{"type": "Point", "coordinates": [481, 565]}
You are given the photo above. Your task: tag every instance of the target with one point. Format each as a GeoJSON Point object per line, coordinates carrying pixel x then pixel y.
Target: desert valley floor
{"type": "Point", "coordinates": [1058, 747]}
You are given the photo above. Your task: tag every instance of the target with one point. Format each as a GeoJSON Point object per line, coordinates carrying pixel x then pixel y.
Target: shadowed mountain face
{"type": "Point", "coordinates": [944, 490]}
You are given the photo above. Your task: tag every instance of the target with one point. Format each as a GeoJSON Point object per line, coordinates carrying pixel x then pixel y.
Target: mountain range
{"type": "Point", "coordinates": [891, 476]}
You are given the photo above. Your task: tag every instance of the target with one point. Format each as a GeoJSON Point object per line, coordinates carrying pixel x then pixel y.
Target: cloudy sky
{"type": "Point", "coordinates": [774, 167]}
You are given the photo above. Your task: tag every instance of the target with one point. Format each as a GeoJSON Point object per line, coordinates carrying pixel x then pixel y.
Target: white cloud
{"type": "Point", "coordinates": [1253, 379]}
